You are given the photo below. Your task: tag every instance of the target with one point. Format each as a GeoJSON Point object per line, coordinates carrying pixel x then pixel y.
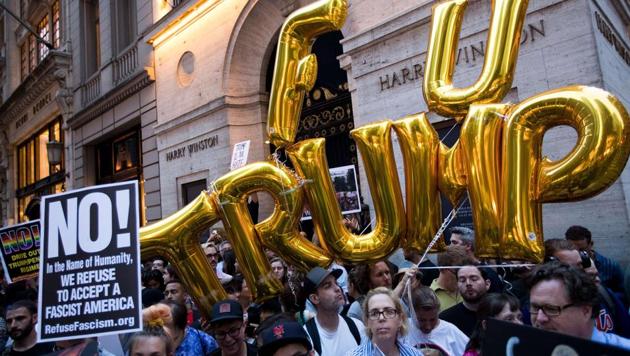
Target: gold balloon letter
{"type": "Point", "coordinates": [497, 74]}
{"type": "Point", "coordinates": [374, 141]}
{"type": "Point", "coordinates": [420, 146]}
{"type": "Point", "coordinates": [598, 158]}
{"type": "Point", "coordinates": [278, 232]}
{"type": "Point", "coordinates": [296, 68]}
{"type": "Point", "coordinates": [177, 239]}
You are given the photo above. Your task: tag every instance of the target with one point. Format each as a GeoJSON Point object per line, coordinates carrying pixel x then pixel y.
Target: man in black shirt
{"type": "Point", "coordinates": [473, 284]}
{"type": "Point", "coordinates": [21, 318]}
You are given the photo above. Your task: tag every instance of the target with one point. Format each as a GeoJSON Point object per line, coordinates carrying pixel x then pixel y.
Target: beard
{"type": "Point", "coordinates": [473, 298]}
{"type": "Point", "coordinates": [19, 334]}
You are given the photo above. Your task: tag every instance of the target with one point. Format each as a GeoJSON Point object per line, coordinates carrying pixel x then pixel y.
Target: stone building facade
{"type": "Point", "coordinates": [186, 80]}
{"type": "Point", "coordinates": [564, 42]}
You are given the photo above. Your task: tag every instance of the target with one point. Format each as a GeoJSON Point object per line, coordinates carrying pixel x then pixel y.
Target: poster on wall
{"type": "Point", "coordinates": [90, 263]}
{"type": "Point", "coordinates": [344, 181]}
{"type": "Point", "coordinates": [20, 251]}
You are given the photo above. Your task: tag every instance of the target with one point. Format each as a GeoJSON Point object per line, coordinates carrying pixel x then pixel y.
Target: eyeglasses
{"type": "Point", "coordinates": [549, 310]}
{"type": "Point", "coordinates": [232, 332]}
{"type": "Point", "coordinates": [388, 313]}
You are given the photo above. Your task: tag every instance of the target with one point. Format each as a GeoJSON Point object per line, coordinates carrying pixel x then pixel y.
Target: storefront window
{"type": "Point", "coordinates": [36, 177]}
{"type": "Point", "coordinates": [119, 159]}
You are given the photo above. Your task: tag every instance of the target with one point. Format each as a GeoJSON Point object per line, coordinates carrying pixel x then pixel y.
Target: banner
{"type": "Point", "coordinates": [503, 338]}
{"type": "Point", "coordinates": [90, 265]}
{"type": "Point", "coordinates": [20, 251]}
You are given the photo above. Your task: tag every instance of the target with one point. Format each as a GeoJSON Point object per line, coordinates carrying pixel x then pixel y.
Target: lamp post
{"type": "Point", "coordinates": [54, 150]}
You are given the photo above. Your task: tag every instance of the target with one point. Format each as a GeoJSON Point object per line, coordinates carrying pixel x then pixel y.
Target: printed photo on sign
{"type": "Point", "coordinates": [344, 181]}
{"type": "Point", "coordinates": [90, 263]}
{"type": "Point", "coordinates": [20, 251]}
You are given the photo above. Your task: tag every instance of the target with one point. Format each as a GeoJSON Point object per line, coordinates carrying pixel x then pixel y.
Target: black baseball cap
{"type": "Point", "coordinates": [316, 276]}
{"type": "Point", "coordinates": [280, 334]}
{"type": "Point", "coordinates": [226, 310]}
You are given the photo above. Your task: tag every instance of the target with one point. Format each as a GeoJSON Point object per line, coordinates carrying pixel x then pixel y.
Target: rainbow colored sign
{"type": "Point", "coordinates": [20, 251]}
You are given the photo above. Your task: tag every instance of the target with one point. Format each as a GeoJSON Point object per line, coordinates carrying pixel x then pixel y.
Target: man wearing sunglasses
{"type": "Point", "coordinates": [564, 299]}
{"type": "Point", "coordinates": [228, 327]}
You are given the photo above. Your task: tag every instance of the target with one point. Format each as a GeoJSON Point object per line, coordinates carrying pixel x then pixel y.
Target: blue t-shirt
{"type": "Point", "coordinates": [196, 343]}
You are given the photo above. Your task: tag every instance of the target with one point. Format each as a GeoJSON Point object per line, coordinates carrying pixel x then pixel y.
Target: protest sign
{"type": "Point", "coordinates": [90, 263]}
{"type": "Point", "coordinates": [510, 339]}
{"type": "Point", "coordinates": [239, 155]}
{"type": "Point", "coordinates": [344, 180]}
{"type": "Point", "coordinates": [20, 251]}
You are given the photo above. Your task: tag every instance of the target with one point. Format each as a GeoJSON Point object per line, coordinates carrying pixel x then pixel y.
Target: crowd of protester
{"type": "Point", "coordinates": [395, 306]}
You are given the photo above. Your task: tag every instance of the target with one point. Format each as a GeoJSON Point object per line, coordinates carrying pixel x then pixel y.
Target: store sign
{"type": "Point", "coordinates": [41, 103]}
{"type": "Point", "coordinates": [36, 108]}
{"type": "Point", "coordinates": [468, 54]}
{"type": "Point", "coordinates": [614, 39]}
{"type": "Point", "coordinates": [195, 147]}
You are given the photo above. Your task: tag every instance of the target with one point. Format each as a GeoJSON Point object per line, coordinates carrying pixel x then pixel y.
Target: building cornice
{"type": "Point", "coordinates": [253, 100]}
{"type": "Point", "coordinates": [54, 68]}
{"type": "Point", "coordinates": [111, 99]}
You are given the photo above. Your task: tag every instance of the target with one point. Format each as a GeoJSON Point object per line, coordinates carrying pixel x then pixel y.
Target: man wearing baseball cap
{"type": "Point", "coordinates": [228, 326]}
{"type": "Point", "coordinates": [284, 338]}
{"type": "Point", "coordinates": [330, 333]}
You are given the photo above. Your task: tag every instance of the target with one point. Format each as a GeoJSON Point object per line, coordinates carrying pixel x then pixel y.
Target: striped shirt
{"type": "Point", "coordinates": [367, 348]}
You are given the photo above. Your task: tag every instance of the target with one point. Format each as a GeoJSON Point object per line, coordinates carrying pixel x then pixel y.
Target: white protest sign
{"type": "Point", "coordinates": [239, 155]}
{"type": "Point", "coordinates": [89, 280]}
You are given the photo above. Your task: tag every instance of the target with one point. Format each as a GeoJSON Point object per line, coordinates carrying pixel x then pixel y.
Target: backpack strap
{"type": "Point", "coordinates": [311, 327]}
{"type": "Point", "coordinates": [353, 329]}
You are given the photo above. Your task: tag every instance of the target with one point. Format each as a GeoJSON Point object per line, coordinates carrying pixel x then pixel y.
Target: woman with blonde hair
{"type": "Point", "coordinates": [171, 316]}
{"type": "Point", "coordinates": [385, 322]}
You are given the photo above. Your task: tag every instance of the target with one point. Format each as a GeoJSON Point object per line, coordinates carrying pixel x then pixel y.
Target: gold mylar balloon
{"type": "Point", "coordinates": [599, 156]}
{"type": "Point", "coordinates": [278, 232]}
{"type": "Point", "coordinates": [419, 144]}
{"type": "Point", "coordinates": [452, 172]}
{"type": "Point", "coordinates": [296, 68]}
{"type": "Point", "coordinates": [481, 141]}
{"type": "Point", "coordinates": [374, 141]}
{"type": "Point", "coordinates": [177, 239]}
{"type": "Point", "coordinates": [497, 73]}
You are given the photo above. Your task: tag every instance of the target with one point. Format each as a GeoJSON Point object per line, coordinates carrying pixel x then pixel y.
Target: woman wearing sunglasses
{"type": "Point", "coordinates": [385, 323]}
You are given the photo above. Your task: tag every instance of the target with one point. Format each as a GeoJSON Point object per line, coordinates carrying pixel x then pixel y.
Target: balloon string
{"type": "Point", "coordinates": [516, 265]}
{"type": "Point", "coordinates": [438, 234]}
{"type": "Point", "coordinates": [449, 132]}
{"type": "Point", "coordinates": [276, 159]}
{"type": "Point", "coordinates": [447, 221]}
{"type": "Point", "coordinates": [366, 227]}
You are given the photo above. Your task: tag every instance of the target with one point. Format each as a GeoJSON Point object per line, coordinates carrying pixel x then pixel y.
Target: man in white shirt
{"type": "Point", "coordinates": [330, 333]}
{"type": "Point", "coordinates": [426, 330]}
